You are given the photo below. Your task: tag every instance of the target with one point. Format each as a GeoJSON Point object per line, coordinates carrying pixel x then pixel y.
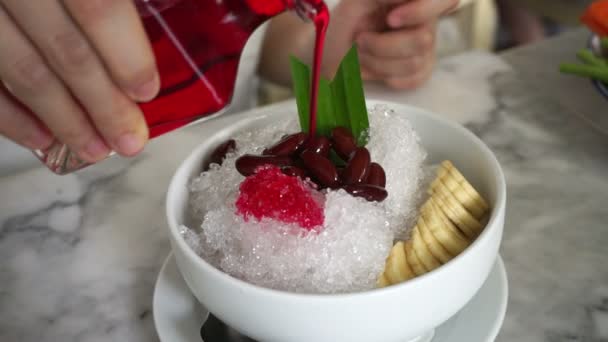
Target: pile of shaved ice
{"type": "Point", "coordinates": [346, 254]}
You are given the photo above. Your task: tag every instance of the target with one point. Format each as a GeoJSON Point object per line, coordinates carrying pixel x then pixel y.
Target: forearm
{"type": "Point", "coordinates": [286, 35]}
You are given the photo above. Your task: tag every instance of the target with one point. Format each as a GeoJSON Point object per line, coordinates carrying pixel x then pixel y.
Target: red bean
{"type": "Point", "coordinates": [343, 132]}
{"type": "Point", "coordinates": [321, 168]}
{"type": "Point", "coordinates": [343, 142]}
{"type": "Point", "coordinates": [376, 175]}
{"type": "Point", "coordinates": [248, 163]}
{"type": "Point", "coordinates": [319, 145]}
{"type": "Point", "coordinates": [371, 193]}
{"type": "Point", "coordinates": [357, 168]}
{"type": "Point", "coordinates": [299, 163]}
{"type": "Point", "coordinates": [287, 145]}
{"type": "Point", "coordinates": [219, 154]}
{"type": "Point", "coordinates": [294, 171]}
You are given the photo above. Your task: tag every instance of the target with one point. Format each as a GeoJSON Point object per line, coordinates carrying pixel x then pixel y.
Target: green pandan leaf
{"type": "Point", "coordinates": [300, 75]}
{"type": "Point", "coordinates": [325, 113]}
{"type": "Point", "coordinates": [348, 91]}
{"type": "Point", "coordinates": [335, 159]}
{"type": "Point", "coordinates": [341, 102]}
{"type": "Point", "coordinates": [340, 109]}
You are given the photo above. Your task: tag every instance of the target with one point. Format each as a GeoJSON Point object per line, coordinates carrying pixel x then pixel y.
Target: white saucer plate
{"type": "Point", "coordinates": [178, 316]}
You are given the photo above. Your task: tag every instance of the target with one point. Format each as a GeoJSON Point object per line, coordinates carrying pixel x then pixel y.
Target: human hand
{"type": "Point", "coordinates": [74, 69]}
{"type": "Point", "coordinates": [396, 38]}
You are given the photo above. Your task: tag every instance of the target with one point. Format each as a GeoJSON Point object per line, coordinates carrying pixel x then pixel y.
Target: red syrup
{"type": "Point", "coordinates": [271, 194]}
{"type": "Point", "coordinates": [321, 22]}
{"type": "Point", "coordinates": [198, 46]}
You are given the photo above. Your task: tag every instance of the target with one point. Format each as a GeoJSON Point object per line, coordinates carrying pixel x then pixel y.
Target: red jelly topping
{"type": "Point", "coordinates": [270, 193]}
{"type": "Point", "coordinates": [267, 7]}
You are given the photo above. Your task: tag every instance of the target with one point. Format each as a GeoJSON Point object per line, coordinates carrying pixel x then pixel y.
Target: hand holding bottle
{"type": "Point", "coordinates": [74, 70]}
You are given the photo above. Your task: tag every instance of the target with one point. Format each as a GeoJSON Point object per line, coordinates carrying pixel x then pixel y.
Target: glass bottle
{"type": "Point", "coordinates": [197, 45]}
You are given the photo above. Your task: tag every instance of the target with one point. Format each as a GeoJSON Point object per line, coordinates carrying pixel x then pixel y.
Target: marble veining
{"type": "Point", "coordinates": [555, 234]}
{"type": "Point", "coordinates": [79, 254]}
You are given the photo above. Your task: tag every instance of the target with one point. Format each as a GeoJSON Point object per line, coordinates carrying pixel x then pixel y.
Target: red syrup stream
{"type": "Point", "coordinates": [269, 193]}
{"type": "Point", "coordinates": [321, 22]}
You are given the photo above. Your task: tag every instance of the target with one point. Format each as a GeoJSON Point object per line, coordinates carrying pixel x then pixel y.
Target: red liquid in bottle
{"type": "Point", "coordinates": [198, 45]}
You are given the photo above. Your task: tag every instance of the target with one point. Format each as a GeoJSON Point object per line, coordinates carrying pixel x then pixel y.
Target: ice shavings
{"type": "Point", "coordinates": [346, 255]}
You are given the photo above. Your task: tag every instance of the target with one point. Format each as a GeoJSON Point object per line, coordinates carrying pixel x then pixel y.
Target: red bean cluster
{"type": "Point", "coordinates": [303, 156]}
{"type": "Point", "coordinates": [219, 154]}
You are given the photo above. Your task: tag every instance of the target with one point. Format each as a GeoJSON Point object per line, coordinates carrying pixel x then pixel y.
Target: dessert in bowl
{"type": "Point", "coordinates": [348, 312]}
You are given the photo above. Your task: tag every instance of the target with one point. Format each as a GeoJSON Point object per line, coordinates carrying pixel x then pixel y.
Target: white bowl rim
{"type": "Point", "coordinates": [501, 198]}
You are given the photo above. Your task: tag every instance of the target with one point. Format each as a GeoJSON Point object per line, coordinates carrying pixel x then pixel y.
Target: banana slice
{"type": "Point", "coordinates": [467, 201]}
{"type": "Point", "coordinates": [422, 251]}
{"type": "Point", "coordinates": [397, 268]}
{"type": "Point", "coordinates": [469, 225]}
{"type": "Point", "coordinates": [412, 259]}
{"type": "Point", "coordinates": [450, 219]}
{"type": "Point", "coordinates": [452, 215]}
{"type": "Point", "coordinates": [442, 229]}
{"type": "Point", "coordinates": [382, 281]}
{"type": "Point", "coordinates": [448, 167]}
{"type": "Point", "coordinates": [433, 244]}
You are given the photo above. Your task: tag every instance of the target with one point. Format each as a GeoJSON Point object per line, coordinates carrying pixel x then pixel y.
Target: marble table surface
{"type": "Point", "coordinates": [538, 65]}
{"type": "Point", "coordinates": [79, 254]}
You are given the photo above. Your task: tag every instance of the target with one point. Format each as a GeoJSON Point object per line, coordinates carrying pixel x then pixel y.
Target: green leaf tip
{"type": "Point", "coordinates": [301, 79]}
{"type": "Point", "coordinates": [341, 101]}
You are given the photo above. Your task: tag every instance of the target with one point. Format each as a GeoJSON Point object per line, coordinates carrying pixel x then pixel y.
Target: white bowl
{"type": "Point", "coordinates": [394, 314]}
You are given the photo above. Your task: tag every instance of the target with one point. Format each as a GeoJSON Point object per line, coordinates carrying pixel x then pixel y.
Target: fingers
{"type": "Point", "coordinates": [115, 30]}
{"type": "Point", "coordinates": [394, 67]}
{"type": "Point", "coordinates": [403, 73]}
{"type": "Point", "coordinates": [414, 80]}
{"type": "Point", "coordinates": [406, 81]}
{"type": "Point", "coordinates": [67, 51]}
{"type": "Point", "coordinates": [34, 84]}
{"type": "Point", "coordinates": [416, 12]}
{"type": "Point", "coordinates": [401, 58]}
{"type": "Point", "coordinates": [398, 43]}
{"type": "Point", "coordinates": [21, 127]}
